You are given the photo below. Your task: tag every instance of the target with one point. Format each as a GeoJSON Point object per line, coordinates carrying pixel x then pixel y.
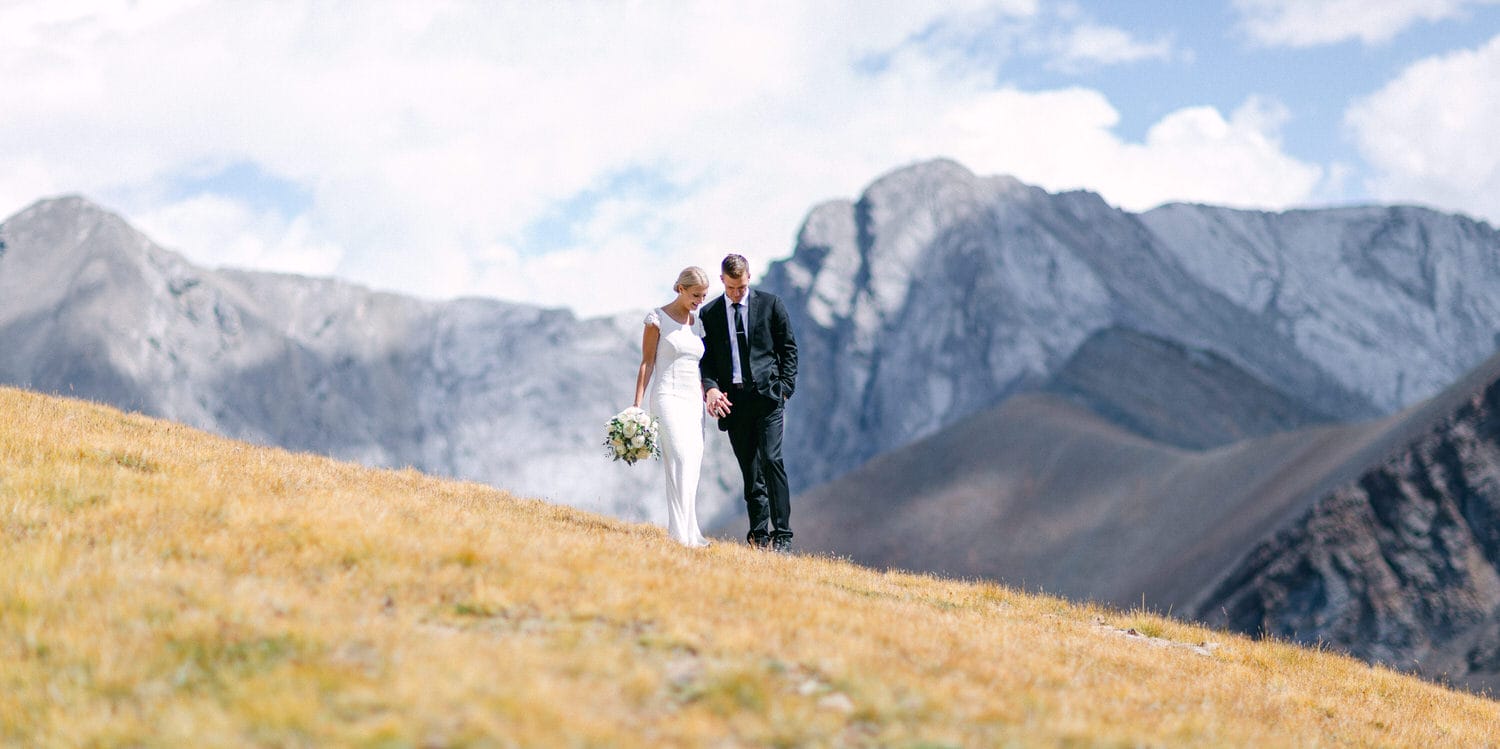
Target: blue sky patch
{"type": "Point", "coordinates": [561, 227]}
{"type": "Point", "coordinates": [247, 183]}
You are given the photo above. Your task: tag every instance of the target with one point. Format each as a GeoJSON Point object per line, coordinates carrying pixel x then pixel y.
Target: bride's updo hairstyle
{"type": "Point", "coordinates": [691, 277]}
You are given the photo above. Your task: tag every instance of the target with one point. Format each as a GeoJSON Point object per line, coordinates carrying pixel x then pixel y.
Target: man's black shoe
{"type": "Point", "coordinates": [758, 542]}
{"type": "Point", "coordinates": [782, 545]}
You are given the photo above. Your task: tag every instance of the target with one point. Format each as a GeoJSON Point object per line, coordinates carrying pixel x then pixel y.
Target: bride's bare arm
{"type": "Point", "coordinates": [648, 361]}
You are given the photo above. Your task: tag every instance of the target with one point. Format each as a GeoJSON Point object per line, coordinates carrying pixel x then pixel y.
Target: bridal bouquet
{"type": "Point", "coordinates": [631, 436]}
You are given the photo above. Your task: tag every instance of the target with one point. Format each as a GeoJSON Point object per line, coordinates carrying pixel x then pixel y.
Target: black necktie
{"type": "Point", "coordinates": [743, 341]}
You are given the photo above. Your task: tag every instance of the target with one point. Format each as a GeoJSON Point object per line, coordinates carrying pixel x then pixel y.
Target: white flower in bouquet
{"type": "Point", "coordinates": [631, 436]}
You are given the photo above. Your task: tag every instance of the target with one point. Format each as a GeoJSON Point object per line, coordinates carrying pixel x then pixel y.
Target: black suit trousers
{"type": "Point", "coordinates": [755, 425]}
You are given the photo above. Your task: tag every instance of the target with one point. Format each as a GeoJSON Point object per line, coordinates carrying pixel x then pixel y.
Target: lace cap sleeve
{"type": "Point", "coordinates": [698, 326]}
{"type": "Point", "coordinates": [652, 319]}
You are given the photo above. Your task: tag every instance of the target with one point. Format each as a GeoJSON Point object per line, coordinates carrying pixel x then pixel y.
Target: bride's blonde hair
{"type": "Point", "coordinates": [691, 277]}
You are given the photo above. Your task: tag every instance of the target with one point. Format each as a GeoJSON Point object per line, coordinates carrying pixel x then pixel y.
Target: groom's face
{"type": "Point", "coordinates": [735, 288]}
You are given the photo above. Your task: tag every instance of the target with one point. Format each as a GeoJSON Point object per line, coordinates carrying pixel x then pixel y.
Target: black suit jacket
{"type": "Point", "coordinates": [773, 348]}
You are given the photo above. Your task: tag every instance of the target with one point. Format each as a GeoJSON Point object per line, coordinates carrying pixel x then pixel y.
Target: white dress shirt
{"type": "Point", "coordinates": [734, 341]}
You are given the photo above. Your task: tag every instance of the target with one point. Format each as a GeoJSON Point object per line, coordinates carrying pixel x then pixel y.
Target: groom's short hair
{"type": "Point", "coordinates": [735, 266]}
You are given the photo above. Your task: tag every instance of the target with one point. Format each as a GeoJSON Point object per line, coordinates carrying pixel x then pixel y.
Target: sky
{"type": "Point", "coordinates": [579, 154]}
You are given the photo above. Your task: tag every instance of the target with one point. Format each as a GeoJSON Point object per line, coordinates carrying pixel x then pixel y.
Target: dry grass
{"type": "Point", "coordinates": [162, 587]}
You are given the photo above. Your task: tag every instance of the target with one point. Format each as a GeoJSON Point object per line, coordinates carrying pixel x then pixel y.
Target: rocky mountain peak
{"type": "Point", "coordinates": [69, 248]}
{"type": "Point", "coordinates": [919, 177]}
{"type": "Point", "coordinates": [938, 293]}
{"type": "Point", "coordinates": [860, 257]}
{"type": "Point", "coordinates": [69, 224]}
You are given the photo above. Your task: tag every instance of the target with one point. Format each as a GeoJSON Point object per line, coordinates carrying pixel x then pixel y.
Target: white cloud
{"type": "Point", "coordinates": [220, 231]}
{"type": "Point", "coordinates": [23, 180]}
{"type": "Point", "coordinates": [1062, 36]}
{"type": "Point", "coordinates": [1307, 23]}
{"type": "Point", "coordinates": [428, 140]}
{"type": "Point", "coordinates": [1430, 133]}
{"type": "Point", "coordinates": [1090, 45]}
{"type": "Point", "coordinates": [1065, 140]}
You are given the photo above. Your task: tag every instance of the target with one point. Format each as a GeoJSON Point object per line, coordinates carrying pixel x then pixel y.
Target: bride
{"type": "Point", "coordinates": [670, 349]}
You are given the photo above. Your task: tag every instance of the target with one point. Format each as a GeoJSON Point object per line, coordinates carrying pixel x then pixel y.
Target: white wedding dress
{"type": "Point", "coordinates": [676, 393]}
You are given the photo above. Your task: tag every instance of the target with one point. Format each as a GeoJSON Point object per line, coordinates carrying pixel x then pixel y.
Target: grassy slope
{"type": "Point", "coordinates": [162, 586]}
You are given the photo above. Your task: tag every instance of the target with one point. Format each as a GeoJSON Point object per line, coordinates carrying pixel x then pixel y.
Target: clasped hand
{"type": "Point", "coordinates": [718, 403]}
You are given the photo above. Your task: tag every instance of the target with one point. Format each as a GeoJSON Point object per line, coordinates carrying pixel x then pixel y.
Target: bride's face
{"type": "Point", "coordinates": [693, 296]}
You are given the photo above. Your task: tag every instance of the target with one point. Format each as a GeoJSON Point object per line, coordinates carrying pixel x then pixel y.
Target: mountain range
{"type": "Point", "coordinates": [939, 294]}
{"type": "Point", "coordinates": [1164, 408]}
{"type": "Point", "coordinates": [1171, 407]}
{"type": "Point", "coordinates": [506, 394]}
{"type": "Point", "coordinates": [1380, 538]}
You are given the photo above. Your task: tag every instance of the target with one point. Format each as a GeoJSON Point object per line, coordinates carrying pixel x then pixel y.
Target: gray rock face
{"type": "Point", "coordinates": [506, 394]}
{"type": "Point", "coordinates": [1400, 566]}
{"type": "Point", "coordinates": [938, 294]}
{"type": "Point", "coordinates": [1396, 302]}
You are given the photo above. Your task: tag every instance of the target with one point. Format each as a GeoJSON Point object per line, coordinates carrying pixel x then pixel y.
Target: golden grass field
{"type": "Point", "coordinates": [164, 587]}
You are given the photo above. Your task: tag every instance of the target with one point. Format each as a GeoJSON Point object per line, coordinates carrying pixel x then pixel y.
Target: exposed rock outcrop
{"type": "Point", "coordinates": [1400, 566]}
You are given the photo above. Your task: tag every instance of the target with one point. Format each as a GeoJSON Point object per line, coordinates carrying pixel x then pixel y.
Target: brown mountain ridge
{"type": "Point", "coordinates": [1380, 538]}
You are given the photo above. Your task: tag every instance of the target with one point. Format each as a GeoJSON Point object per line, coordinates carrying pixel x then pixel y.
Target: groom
{"type": "Point", "coordinates": [749, 370]}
